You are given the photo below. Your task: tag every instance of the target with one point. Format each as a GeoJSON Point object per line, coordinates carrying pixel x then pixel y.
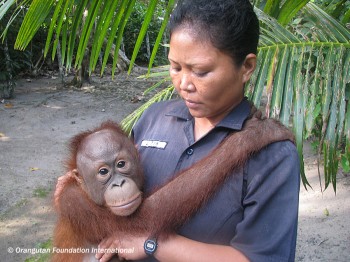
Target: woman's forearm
{"type": "Point", "coordinates": [178, 248]}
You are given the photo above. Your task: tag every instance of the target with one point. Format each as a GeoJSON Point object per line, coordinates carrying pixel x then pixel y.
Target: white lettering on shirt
{"type": "Point", "coordinates": [154, 143]}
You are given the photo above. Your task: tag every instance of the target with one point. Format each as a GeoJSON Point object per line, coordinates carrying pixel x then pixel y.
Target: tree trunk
{"type": "Point", "coordinates": [165, 42]}
{"type": "Point", "coordinates": [9, 89]}
{"type": "Point", "coordinates": [148, 46]}
{"type": "Point", "coordinates": [82, 74]}
{"type": "Point", "coordinates": [59, 59]}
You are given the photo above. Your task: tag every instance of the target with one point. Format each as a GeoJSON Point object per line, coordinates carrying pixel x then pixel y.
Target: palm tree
{"type": "Point", "coordinates": [303, 63]}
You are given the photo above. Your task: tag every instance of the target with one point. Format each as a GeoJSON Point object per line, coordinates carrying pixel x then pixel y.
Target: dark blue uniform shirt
{"type": "Point", "coordinates": [255, 211]}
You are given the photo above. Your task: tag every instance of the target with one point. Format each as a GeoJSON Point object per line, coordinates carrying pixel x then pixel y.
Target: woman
{"type": "Point", "coordinates": [253, 217]}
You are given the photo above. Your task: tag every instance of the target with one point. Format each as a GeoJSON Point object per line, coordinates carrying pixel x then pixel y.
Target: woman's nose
{"type": "Point", "coordinates": [185, 82]}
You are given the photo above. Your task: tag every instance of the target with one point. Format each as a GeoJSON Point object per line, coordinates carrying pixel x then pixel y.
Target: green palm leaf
{"type": "Point", "coordinates": [168, 10]}
{"type": "Point", "coordinates": [36, 15]}
{"type": "Point", "coordinates": [298, 74]}
{"type": "Point", "coordinates": [5, 6]}
{"type": "Point", "coordinates": [150, 11]}
{"type": "Point", "coordinates": [129, 122]}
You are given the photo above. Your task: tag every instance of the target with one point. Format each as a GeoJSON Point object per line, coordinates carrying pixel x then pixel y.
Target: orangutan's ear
{"type": "Point", "coordinates": [77, 176]}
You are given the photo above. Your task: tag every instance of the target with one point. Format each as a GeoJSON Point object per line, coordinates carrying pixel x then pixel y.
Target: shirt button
{"type": "Point", "coordinates": [189, 151]}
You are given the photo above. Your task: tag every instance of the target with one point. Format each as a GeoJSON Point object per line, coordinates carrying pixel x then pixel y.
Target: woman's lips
{"type": "Point", "coordinates": [191, 104]}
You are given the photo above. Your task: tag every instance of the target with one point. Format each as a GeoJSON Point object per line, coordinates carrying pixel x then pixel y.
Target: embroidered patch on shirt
{"type": "Point", "coordinates": [154, 143]}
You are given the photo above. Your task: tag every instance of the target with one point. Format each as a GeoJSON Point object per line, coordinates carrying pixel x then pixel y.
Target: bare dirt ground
{"type": "Point", "coordinates": [35, 128]}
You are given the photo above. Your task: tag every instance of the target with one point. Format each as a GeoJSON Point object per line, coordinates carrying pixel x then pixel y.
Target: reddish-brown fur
{"type": "Point", "coordinates": [82, 223]}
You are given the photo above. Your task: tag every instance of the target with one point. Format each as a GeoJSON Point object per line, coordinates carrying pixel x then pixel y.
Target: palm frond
{"type": "Point", "coordinates": [129, 122]}
{"type": "Point", "coordinates": [5, 6]}
{"type": "Point", "coordinates": [96, 25]}
{"type": "Point", "coordinates": [34, 18]}
{"type": "Point", "coordinates": [168, 10]}
{"type": "Point", "coordinates": [150, 11]}
{"type": "Point", "coordinates": [305, 72]}
{"type": "Point", "coordinates": [125, 16]}
{"type": "Point", "coordinates": [301, 76]}
{"type": "Point", "coordinates": [289, 9]}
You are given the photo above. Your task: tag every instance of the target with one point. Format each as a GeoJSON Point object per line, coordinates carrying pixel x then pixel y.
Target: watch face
{"type": "Point", "coordinates": [150, 246]}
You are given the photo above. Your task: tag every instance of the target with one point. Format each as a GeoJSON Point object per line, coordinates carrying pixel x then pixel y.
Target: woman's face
{"type": "Point", "coordinates": [206, 78]}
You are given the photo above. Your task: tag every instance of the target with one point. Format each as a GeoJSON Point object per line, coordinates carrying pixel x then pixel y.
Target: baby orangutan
{"type": "Point", "coordinates": [104, 194]}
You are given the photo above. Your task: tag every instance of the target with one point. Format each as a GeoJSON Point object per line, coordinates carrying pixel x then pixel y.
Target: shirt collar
{"type": "Point", "coordinates": [234, 120]}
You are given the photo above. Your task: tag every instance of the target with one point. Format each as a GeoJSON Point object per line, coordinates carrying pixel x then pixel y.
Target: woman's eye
{"type": "Point", "coordinates": [120, 164]}
{"type": "Point", "coordinates": [175, 69]}
{"type": "Point", "coordinates": [201, 74]}
{"type": "Point", "coordinates": [103, 171]}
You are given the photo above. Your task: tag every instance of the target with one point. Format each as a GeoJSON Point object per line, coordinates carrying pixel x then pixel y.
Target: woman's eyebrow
{"type": "Point", "coordinates": [194, 64]}
{"type": "Point", "coordinates": [171, 60]}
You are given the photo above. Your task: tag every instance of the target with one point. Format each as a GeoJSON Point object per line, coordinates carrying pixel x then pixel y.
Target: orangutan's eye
{"type": "Point", "coordinates": [103, 171]}
{"type": "Point", "coordinates": [121, 164]}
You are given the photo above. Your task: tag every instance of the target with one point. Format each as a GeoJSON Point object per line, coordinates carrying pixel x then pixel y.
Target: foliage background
{"type": "Point", "coordinates": [304, 55]}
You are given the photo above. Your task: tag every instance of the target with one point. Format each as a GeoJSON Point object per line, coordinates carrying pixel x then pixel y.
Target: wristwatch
{"type": "Point", "coordinates": [150, 246]}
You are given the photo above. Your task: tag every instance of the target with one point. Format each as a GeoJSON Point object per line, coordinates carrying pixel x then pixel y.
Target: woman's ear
{"type": "Point", "coordinates": [248, 67]}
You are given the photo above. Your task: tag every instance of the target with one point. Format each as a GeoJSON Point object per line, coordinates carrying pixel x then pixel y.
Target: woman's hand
{"type": "Point", "coordinates": [129, 247]}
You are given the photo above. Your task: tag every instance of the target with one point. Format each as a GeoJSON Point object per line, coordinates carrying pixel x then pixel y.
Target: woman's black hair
{"type": "Point", "coordinates": [230, 25]}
